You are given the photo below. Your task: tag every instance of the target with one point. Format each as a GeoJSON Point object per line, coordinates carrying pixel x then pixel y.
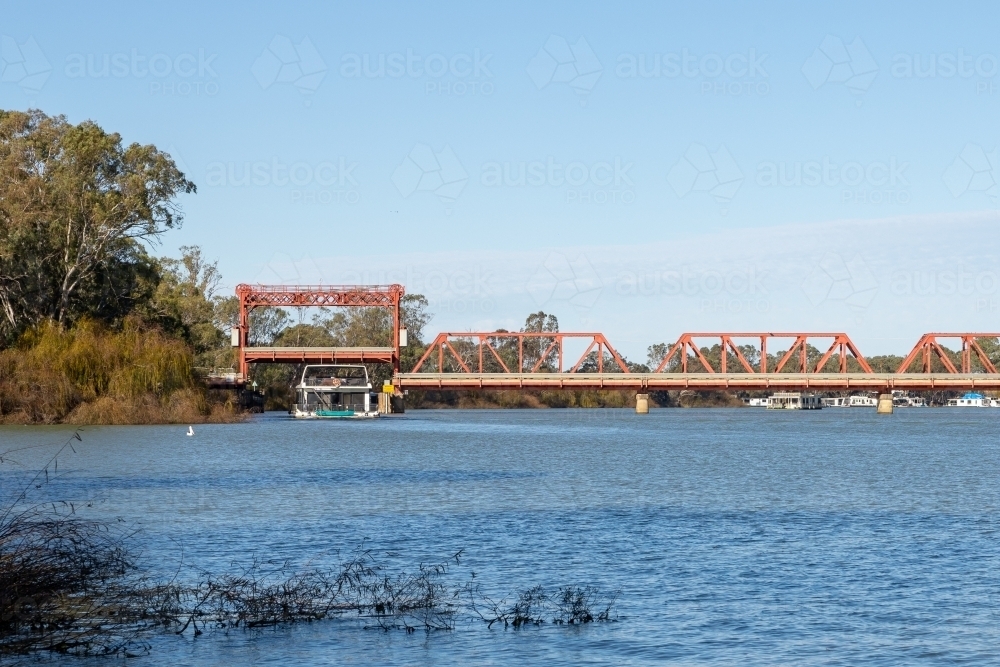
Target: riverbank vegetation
{"type": "Point", "coordinates": [93, 328]}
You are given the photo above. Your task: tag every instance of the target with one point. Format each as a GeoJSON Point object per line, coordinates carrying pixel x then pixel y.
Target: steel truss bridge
{"type": "Point", "coordinates": [502, 360]}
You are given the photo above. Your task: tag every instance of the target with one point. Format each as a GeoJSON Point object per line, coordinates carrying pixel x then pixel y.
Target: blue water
{"type": "Point", "coordinates": [734, 536]}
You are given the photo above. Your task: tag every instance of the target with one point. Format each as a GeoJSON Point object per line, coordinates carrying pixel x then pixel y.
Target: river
{"type": "Point", "coordinates": [737, 536]}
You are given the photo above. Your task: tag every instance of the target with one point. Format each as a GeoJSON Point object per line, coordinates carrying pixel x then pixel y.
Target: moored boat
{"type": "Point", "coordinates": [862, 401]}
{"type": "Point", "coordinates": [973, 400]}
{"type": "Point", "coordinates": [333, 391]}
{"type": "Point", "coordinates": [794, 400]}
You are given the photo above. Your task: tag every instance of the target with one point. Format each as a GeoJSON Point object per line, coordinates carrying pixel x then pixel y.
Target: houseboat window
{"type": "Point", "coordinates": [335, 376]}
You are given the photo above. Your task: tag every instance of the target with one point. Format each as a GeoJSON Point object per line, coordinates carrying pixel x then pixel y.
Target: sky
{"type": "Point", "coordinates": [638, 169]}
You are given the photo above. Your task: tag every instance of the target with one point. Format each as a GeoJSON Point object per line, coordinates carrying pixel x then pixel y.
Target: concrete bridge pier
{"type": "Point", "coordinates": [642, 404]}
{"type": "Point", "coordinates": [884, 404]}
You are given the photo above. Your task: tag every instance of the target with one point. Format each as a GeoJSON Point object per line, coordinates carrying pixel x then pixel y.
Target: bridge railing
{"type": "Point", "coordinates": [517, 352]}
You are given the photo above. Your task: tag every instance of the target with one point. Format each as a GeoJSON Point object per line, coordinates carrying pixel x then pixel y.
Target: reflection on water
{"type": "Point", "coordinates": [738, 536]}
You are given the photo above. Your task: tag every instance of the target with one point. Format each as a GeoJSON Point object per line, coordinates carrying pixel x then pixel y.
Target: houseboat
{"type": "Point", "coordinates": [794, 400]}
{"type": "Point", "coordinates": [331, 391]}
{"type": "Point", "coordinates": [973, 400]}
{"type": "Point", "coordinates": [836, 402]}
{"type": "Point", "coordinates": [901, 399]}
{"type": "Point", "coordinates": [755, 402]}
{"type": "Point", "coordinates": [863, 401]}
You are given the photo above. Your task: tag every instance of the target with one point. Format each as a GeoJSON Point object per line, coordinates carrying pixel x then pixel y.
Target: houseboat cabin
{"type": "Point", "coordinates": [794, 400]}
{"type": "Point", "coordinates": [334, 391]}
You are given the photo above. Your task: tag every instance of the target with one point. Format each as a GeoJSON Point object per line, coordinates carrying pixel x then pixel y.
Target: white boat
{"type": "Point", "coordinates": [973, 400]}
{"type": "Point", "coordinates": [863, 401]}
{"type": "Point", "coordinates": [836, 402]}
{"type": "Point", "coordinates": [756, 402]}
{"type": "Point", "coordinates": [333, 391]}
{"type": "Point", "coordinates": [794, 400]}
{"type": "Point", "coordinates": [901, 399]}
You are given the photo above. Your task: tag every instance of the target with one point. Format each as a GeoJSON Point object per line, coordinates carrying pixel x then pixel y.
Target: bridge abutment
{"type": "Point", "coordinates": [642, 404]}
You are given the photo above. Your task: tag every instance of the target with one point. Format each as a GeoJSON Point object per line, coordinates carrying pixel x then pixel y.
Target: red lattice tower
{"type": "Point", "coordinates": [296, 296]}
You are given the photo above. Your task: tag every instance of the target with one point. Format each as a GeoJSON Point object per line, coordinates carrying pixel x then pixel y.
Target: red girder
{"type": "Point", "coordinates": [928, 346]}
{"type": "Point", "coordinates": [286, 296]}
{"type": "Point", "coordinates": [686, 346]}
{"type": "Point", "coordinates": [553, 342]}
{"type": "Point", "coordinates": [296, 296]}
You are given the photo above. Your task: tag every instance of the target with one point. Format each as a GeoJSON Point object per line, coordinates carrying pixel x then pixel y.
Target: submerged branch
{"type": "Point", "coordinates": [70, 585]}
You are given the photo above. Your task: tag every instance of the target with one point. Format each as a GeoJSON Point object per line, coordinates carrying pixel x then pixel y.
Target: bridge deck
{"type": "Point", "coordinates": [319, 355]}
{"type": "Point", "coordinates": [701, 381]}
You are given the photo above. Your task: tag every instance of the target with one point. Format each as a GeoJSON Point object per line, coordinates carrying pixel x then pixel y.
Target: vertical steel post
{"type": "Point", "coordinates": [397, 354]}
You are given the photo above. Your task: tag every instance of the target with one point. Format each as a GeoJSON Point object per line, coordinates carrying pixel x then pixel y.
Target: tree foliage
{"type": "Point", "coordinates": [77, 209]}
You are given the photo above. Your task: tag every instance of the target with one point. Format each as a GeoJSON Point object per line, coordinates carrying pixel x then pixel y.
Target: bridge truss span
{"type": "Point", "coordinates": [824, 361]}
{"type": "Point", "coordinates": [686, 348]}
{"type": "Point", "coordinates": [929, 348]}
{"type": "Point", "coordinates": [514, 352]}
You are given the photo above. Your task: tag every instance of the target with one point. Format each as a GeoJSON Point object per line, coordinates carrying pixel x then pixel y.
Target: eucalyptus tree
{"type": "Point", "coordinates": [78, 210]}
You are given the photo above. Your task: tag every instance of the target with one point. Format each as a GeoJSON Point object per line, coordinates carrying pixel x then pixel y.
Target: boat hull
{"type": "Point", "coordinates": [332, 414]}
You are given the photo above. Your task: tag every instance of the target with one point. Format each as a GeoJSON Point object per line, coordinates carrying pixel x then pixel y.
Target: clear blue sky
{"type": "Point", "coordinates": [641, 169]}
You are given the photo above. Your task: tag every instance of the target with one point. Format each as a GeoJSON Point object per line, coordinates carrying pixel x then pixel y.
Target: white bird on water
{"type": "Point", "coordinates": [190, 430]}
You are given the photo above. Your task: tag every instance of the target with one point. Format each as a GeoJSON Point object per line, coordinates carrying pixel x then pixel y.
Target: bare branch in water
{"type": "Point", "coordinates": [74, 586]}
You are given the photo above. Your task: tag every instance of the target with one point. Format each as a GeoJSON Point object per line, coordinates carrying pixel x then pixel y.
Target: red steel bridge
{"type": "Point", "coordinates": [539, 360]}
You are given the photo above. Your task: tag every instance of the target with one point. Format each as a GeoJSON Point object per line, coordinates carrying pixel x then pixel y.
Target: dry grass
{"type": "Point", "coordinates": [185, 406]}
{"type": "Point", "coordinates": [90, 375]}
